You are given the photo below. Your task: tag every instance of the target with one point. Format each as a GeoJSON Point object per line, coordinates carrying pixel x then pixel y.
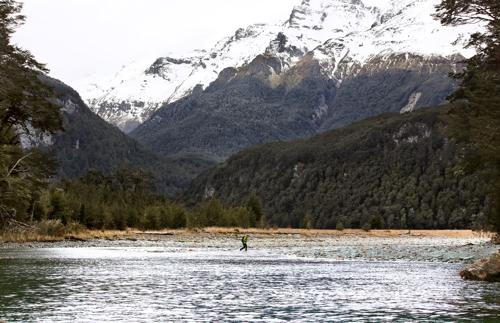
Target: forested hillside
{"type": "Point", "coordinates": [392, 167]}
{"type": "Point", "coordinates": [245, 106]}
{"type": "Point", "coordinates": [90, 142]}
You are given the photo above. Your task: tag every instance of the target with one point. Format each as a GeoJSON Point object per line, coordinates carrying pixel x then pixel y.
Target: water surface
{"type": "Point", "coordinates": [150, 285]}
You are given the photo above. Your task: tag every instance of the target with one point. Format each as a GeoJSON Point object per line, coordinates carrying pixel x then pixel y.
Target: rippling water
{"type": "Point", "coordinates": [149, 285]}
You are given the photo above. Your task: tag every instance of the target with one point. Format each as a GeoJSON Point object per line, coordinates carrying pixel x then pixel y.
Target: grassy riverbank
{"type": "Point", "coordinates": [76, 233]}
{"type": "Point", "coordinates": [27, 236]}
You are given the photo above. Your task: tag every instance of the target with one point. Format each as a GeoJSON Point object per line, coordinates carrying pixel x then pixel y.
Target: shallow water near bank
{"type": "Point", "coordinates": [159, 285]}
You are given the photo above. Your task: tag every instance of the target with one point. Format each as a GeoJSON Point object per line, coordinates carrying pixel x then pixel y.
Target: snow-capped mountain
{"type": "Point", "coordinates": [345, 37]}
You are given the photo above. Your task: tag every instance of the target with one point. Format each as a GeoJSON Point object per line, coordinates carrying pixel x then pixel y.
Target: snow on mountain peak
{"type": "Point", "coordinates": [333, 30]}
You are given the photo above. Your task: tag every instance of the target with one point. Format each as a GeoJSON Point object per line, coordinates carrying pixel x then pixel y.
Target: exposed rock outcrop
{"type": "Point", "coordinates": [484, 269]}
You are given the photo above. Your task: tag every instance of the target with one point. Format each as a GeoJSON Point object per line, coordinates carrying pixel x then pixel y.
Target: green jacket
{"type": "Point", "coordinates": [244, 239]}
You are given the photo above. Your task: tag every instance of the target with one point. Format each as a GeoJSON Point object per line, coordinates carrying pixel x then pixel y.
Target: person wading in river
{"type": "Point", "coordinates": [244, 241]}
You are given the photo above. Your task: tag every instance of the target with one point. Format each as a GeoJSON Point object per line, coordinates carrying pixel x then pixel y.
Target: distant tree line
{"type": "Point", "coordinates": [212, 213]}
{"type": "Point", "coordinates": [124, 199]}
{"type": "Point", "coordinates": [119, 200]}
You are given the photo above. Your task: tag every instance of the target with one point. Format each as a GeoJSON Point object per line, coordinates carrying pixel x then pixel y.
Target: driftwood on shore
{"type": "Point", "coordinates": [154, 233]}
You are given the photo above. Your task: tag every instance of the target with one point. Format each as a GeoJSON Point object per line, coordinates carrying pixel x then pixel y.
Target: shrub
{"type": "Point", "coordinates": [366, 227]}
{"type": "Point", "coordinates": [254, 204]}
{"type": "Point", "coordinates": [262, 223]}
{"type": "Point", "coordinates": [151, 218]}
{"type": "Point", "coordinates": [178, 216]}
{"type": "Point", "coordinates": [307, 222]}
{"type": "Point", "coordinates": [339, 227]}
{"type": "Point", "coordinates": [75, 227]}
{"type": "Point", "coordinates": [377, 222]}
{"type": "Point", "coordinates": [243, 217]}
{"type": "Point", "coordinates": [51, 228]}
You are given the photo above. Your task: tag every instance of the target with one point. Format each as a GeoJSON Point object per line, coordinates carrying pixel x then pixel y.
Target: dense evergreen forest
{"type": "Point", "coordinates": [434, 168]}
{"type": "Point", "coordinates": [124, 199]}
{"type": "Point", "coordinates": [395, 167]}
{"type": "Point", "coordinates": [90, 142]}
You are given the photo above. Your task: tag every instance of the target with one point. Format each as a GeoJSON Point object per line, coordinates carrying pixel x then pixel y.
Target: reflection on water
{"type": "Point", "coordinates": [148, 285]}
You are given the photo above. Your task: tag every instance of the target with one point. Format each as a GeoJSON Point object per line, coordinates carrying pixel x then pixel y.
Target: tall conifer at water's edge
{"type": "Point", "coordinates": [25, 107]}
{"type": "Point", "coordinates": [474, 115]}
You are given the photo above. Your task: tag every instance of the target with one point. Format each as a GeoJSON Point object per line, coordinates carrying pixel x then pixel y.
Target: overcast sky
{"type": "Point", "coordinates": [77, 37]}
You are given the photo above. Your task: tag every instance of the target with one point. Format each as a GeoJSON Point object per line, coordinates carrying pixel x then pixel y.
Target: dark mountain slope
{"type": "Point", "coordinates": [390, 91]}
{"type": "Point", "coordinates": [220, 122]}
{"type": "Point", "coordinates": [391, 165]}
{"type": "Point", "coordinates": [90, 142]}
{"type": "Point", "coordinates": [251, 105]}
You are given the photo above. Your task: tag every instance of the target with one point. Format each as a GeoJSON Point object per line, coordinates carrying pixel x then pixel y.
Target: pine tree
{"type": "Point", "coordinates": [25, 108]}
{"type": "Point", "coordinates": [307, 222]}
{"type": "Point", "coordinates": [474, 115]}
{"type": "Point", "coordinates": [137, 179]}
{"type": "Point", "coordinates": [24, 98]}
{"type": "Point", "coordinates": [254, 204]}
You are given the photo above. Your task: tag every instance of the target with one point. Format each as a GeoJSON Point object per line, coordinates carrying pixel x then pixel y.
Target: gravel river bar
{"type": "Point", "coordinates": [452, 246]}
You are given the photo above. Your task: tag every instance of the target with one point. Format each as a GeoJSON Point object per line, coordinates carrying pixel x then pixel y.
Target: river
{"type": "Point", "coordinates": [157, 285]}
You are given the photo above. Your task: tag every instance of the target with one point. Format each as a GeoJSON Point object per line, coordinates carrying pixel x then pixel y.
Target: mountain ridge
{"type": "Point", "coordinates": [90, 142]}
{"type": "Point", "coordinates": [254, 104]}
{"type": "Point", "coordinates": [343, 35]}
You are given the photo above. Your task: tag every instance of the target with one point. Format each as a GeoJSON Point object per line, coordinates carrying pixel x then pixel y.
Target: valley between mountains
{"type": "Point", "coordinates": [321, 114]}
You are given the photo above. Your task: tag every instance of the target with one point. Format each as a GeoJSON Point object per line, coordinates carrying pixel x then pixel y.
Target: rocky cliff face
{"type": "Point", "coordinates": [337, 39]}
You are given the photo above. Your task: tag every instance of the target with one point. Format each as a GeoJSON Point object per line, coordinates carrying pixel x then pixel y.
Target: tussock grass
{"type": "Point", "coordinates": [54, 230]}
{"type": "Point", "coordinates": [22, 237]}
